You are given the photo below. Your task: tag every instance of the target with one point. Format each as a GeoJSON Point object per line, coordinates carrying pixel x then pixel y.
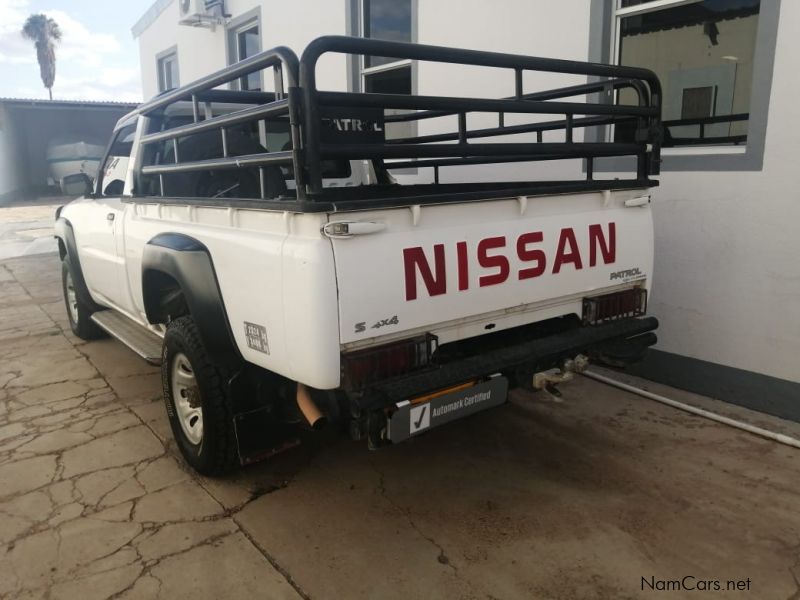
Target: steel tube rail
{"type": "Point", "coordinates": [565, 92]}
{"type": "Point", "coordinates": [480, 104]}
{"type": "Point", "coordinates": [211, 164]}
{"type": "Point", "coordinates": [240, 116]}
{"type": "Point", "coordinates": [649, 111]}
{"type": "Point", "coordinates": [511, 130]}
{"type": "Point", "coordinates": [262, 60]}
{"type": "Point", "coordinates": [573, 150]}
{"type": "Point", "coordinates": [425, 52]}
{"type": "Point", "coordinates": [471, 160]}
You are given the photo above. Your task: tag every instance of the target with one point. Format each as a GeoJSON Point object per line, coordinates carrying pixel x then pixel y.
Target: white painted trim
{"type": "Point", "coordinates": [386, 67]}
{"type": "Point", "coordinates": [655, 5]}
{"type": "Point", "coordinates": [703, 150]}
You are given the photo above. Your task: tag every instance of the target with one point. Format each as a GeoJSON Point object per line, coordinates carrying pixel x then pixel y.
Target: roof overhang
{"type": "Point", "coordinates": [149, 17]}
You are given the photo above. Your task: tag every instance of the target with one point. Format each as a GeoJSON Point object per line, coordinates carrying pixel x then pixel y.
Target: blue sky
{"type": "Point", "coordinates": [97, 59]}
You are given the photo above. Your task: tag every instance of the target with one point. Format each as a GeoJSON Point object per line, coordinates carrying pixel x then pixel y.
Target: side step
{"type": "Point", "coordinates": [136, 337]}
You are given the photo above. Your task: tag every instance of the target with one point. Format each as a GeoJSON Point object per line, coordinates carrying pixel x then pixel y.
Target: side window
{"type": "Point", "coordinates": [115, 165]}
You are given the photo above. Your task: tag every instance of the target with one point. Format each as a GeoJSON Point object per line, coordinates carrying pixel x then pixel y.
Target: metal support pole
{"type": "Point", "coordinates": [262, 182]}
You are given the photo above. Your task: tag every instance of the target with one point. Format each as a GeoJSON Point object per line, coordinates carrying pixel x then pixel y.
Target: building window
{"type": "Point", "coordinates": [388, 20]}
{"type": "Point", "coordinates": [168, 78]}
{"type": "Point", "coordinates": [244, 41]}
{"type": "Point", "coordinates": [703, 52]}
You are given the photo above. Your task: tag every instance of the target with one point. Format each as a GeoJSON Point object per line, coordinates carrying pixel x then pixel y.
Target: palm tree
{"type": "Point", "coordinates": [45, 33]}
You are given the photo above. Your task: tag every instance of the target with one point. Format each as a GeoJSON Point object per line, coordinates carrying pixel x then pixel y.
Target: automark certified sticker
{"type": "Point", "coordinates": [409, 419]}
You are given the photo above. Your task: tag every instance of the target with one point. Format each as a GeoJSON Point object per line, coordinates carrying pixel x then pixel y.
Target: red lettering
{"type": "Point", "coordinates": [525, 254]}
{"type": "Point", "coordinates": [567, 238]}
{"type": "Point", "coordinates": [493, 262]}
{"type": "Point", "coordinates": [463, 266]}
{"type": "Point", "coordinates": [414, 259]}
{"type": "Point", "coordinates": [598, 240]}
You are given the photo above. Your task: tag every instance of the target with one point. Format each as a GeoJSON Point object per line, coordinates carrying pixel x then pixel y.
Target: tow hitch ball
{"type": "Point", "coordinates": [547, 380]}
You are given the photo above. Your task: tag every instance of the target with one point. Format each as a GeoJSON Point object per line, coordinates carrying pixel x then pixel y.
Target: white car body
{"type": "Point", "coordinates": [311, 291]}
{"type": "Point", "coordinates": [256, 245]}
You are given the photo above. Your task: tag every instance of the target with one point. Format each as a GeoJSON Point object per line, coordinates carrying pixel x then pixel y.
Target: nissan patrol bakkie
{"type": "Point", "coordinates": [383, 261]}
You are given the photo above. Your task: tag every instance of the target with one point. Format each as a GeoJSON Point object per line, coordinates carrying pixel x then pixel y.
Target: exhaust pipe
{"type": "Point", "coordinates": [309, 408]}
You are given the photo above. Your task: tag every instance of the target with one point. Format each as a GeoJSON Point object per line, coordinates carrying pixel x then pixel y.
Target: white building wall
{"type": "Point", "coordinates": [203, 51]}
{"type": "Point", "coordinates": [547, 28]}
{"type": "Point", "coordinates": [727, 275]}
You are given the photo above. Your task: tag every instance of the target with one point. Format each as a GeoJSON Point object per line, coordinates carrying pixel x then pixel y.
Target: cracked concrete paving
{"type": "Point", "coordinates": [94, 502]}
{"type": "Point", "coordinates": [536, 499]}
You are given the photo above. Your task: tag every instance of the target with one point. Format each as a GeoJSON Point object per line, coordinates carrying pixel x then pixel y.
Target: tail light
{"type": "Point", "coordinates": [617, 305]}
{"type": "Point", "coordinates": [364, 367]}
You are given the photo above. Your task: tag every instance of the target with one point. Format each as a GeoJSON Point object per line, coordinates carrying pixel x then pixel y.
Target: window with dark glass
{"type": "Point", "coordinates": [703, 54]}
{"type": "Point", "coordinates": [388, 20]}
{"type": "Point", "coordinates": [246, 42]}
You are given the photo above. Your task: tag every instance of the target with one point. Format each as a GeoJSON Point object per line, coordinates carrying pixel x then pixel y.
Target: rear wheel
{"type": "Point", "coordinates": [78, 313]}
{"type": "Point", "coordinates": [197, 398]}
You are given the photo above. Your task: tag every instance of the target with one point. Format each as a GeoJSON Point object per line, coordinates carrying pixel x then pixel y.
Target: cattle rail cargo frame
{"type": "Point", "coordinates": [297, 100]}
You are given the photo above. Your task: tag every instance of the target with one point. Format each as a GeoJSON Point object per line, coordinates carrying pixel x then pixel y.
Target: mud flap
{"type": "Point", "coordinates": [259, 436]}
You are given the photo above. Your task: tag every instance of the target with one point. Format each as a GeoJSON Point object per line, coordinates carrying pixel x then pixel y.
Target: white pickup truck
{"type": "Point", "coordinates": [258, 247]}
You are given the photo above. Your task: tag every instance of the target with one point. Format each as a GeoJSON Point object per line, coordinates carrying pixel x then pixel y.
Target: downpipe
{"type": "Point", "coordinates": [759, 431]}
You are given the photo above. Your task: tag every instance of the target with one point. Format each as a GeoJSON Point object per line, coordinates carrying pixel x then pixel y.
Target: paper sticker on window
{"type": "Point", "coordinates": [256, 337]}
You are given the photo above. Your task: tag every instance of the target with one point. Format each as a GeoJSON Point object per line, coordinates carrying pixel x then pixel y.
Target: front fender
{"type": "Point", "coordinates": [63, 231]}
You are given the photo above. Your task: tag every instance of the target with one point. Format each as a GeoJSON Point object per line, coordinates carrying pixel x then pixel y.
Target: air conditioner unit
{"type": "Point", "coordinates": [201, 13]}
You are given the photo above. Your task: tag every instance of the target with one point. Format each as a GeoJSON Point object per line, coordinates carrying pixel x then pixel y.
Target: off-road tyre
{"type": "Point", "coordinates": [78, 313]}
{"type": "Point", "coordinates": [216, 452]}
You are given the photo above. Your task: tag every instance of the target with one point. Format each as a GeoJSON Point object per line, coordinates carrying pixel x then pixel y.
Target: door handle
{"type": "Point", "coordinates": [110, 217]}
{"type": "Point", "coordinates": [346, 229]}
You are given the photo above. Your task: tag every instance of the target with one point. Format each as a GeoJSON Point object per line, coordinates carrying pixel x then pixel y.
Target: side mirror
{"type": "Point", "coordinates": [77, 184]}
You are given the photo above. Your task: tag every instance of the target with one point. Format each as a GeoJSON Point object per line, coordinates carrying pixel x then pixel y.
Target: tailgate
{"type": "Point", "coordinates": [411, 270]}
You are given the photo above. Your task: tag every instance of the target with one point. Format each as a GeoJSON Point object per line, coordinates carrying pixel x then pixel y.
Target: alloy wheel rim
{"type": "Point", "coordinates": [72, 299]}
{"type": "Point", "coordinates": [186, 396]}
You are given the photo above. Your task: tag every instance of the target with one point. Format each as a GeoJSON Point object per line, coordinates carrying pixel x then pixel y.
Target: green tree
{"type": "Point", "coordinates": [45, 34]}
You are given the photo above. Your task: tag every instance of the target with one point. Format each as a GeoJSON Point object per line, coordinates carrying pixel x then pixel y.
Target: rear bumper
{"type": "Point", "coordinates": [538, 354]}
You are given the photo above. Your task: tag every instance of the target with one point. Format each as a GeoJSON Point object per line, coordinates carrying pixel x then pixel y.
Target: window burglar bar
{"type": "Point", "coordinates": [702, 122]}
{"type": "Point", "coordinates": [647, 113]}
